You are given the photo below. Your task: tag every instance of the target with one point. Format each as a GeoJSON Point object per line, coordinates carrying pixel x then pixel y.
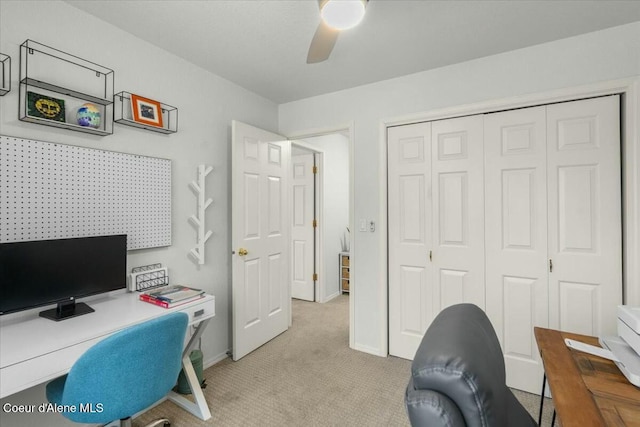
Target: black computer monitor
{"type": "Point", "coordinates": [43, 272]}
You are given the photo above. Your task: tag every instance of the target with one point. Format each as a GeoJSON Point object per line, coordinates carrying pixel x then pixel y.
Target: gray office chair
{"type": "Point", "coordinates": [458, 375]}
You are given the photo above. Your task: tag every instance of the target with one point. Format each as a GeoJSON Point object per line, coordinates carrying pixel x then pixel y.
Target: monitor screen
{"type": "Point", "coordinates": [37, 273]}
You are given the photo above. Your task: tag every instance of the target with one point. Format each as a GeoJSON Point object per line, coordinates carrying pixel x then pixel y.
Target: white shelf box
{"type": "Point", "coordinates": [344, 268]}
{"type": "Point", "coordinates": [123, 114]}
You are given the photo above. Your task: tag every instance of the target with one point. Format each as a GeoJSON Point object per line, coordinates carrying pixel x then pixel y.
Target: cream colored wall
{"type": "Point", "coordinates": [206, 105]}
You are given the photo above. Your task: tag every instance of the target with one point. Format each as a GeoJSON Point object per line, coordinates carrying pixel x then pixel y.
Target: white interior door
{"type": "Point", "coordinates": [302, 228]}
{"type": "Point", "coordinates": [458, 212]}
{"type": "Point", "coordinates": [585, 220]}
{"type": "Point", "coordinates": [410, 237]}
{"type": "Point", "coordinates": [516, 238]}
{"type": "Point", "coordinates": [261, 303]}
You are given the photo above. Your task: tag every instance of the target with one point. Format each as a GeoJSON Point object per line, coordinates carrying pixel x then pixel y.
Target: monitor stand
{"type": "Point", "coordinates": [67, 310]}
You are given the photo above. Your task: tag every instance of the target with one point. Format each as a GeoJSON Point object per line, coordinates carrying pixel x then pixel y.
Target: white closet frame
{"type": "Point", "coordinates": [630, 115]}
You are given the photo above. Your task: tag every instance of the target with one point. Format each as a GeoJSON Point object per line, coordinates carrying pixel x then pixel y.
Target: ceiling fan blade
{"type": "Point", "coordinates": [322, 43]}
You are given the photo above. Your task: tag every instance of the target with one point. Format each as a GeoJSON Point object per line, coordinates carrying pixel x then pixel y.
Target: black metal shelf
{"type": "Point", "coordinates": [5, 76]}
{"type": "Point", "coordinates": [67, 79]}
{"type": "Point", "coordinates": [64, 125]}
{"type": "Point", "coordinates": [122, 115]}
{"type": "Point", "coordinates": [65, 91]}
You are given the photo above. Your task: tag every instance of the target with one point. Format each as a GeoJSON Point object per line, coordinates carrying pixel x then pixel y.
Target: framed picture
{"type": "Point", "coordinates": [146, 111]}
{"type": "Point", "coordinates": [45, 107]}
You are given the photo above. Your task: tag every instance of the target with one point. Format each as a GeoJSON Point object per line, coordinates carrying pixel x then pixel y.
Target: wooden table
{"type": "Point", "coordinates": [587, 390]}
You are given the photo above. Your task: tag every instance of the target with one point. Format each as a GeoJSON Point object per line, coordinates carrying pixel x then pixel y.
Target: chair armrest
{"type": "Point", "coordinates": [430, 408]}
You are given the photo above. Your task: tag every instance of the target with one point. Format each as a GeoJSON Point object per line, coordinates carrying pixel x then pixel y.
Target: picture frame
{"type": "Point", "coordinates": [146, 111]}
{"type": "Point", "coordinates": [45, 107]}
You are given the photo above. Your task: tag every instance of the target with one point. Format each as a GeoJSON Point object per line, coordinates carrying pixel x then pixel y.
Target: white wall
{"type": "Point", "coordinates": [336, 204]}
{"type": "Point", "coordinates": [206, 104]}
{"type": "Point", "coordinates": [594, 57]}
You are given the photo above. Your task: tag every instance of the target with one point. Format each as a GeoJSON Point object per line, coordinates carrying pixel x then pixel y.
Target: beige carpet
{"type": "Point", "coordinates": [308, 376]}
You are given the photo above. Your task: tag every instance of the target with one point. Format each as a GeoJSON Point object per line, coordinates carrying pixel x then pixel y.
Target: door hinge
{"type": "Point", "coordinates": [550, 266]}
{"type": "Point", "coordinates": [430, 255]}
{"type": "Point", "coordinates": [315, 169]}
{"type": "Point", "coordinates": [315, 223]}
{"type": "Point", "coordinates": [315, 277]}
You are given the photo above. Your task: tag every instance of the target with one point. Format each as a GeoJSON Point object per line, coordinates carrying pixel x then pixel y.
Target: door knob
{"type": "Point", "coordinates": [242, 252]}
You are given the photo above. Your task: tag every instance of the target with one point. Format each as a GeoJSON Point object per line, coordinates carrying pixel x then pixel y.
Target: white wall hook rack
{"type": "Point", "coordinates": [198, 221]}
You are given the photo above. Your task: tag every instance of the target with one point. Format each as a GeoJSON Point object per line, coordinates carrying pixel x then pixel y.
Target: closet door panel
{"type": "Point", "coordinates": [516, 238]}
{"type": "Point", "coordinates": [577, 208]}
{"type": "Point", "coordinates": [458, 221]}
{"type": "Point", "coordinates": [410, 237]}
{"type": "Point", "coordinates": [585, 241]}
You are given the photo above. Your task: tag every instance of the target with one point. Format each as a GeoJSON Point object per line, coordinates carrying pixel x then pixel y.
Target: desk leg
{"type": "Point", "coordinates": [200, 408]}
{"type": "Point", "coordinates": [544, 381]}
{"type": "Point", "coordinates": [553, 420]}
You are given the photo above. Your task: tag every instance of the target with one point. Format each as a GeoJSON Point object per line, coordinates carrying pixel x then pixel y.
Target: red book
{"type": "Point", "coordinates": [152, 300]}
{"type": "Point", "coordinates": [165, 304]}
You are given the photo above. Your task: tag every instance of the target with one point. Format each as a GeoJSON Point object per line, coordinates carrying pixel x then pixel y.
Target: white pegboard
{"type": "Point", "coordinates": [53, 191]}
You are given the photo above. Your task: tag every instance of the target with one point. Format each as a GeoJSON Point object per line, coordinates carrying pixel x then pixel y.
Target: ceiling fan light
{"type": "Point", "coordinates": [342, 14]}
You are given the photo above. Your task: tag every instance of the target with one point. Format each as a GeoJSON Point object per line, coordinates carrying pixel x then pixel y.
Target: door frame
{"type": "Point", "coordinates": [629, 89]}
{"type": "Point", "coordinates": [318, 195]}
{"type": "Point", "coordinates": [349, 129]}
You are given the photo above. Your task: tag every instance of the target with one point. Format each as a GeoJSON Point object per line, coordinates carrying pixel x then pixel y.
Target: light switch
{"type": "Point", "coordinates": [363, 225]}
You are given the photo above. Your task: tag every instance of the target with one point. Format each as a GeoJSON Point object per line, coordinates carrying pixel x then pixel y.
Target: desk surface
{"type": "Point", "coordinates": [587, 390]}
{"type": "Point", "coordinates": [34, 349]}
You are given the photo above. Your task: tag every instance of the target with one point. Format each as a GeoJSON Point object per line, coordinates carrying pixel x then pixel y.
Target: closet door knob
{"type": "Point", "coordinates": [242, 252]}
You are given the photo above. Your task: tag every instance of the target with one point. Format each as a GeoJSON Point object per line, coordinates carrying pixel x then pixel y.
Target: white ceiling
{"type": "Point", "coordinates": [262, 45]}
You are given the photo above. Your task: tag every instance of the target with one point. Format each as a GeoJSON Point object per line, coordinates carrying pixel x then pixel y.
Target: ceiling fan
{"type": "Point", "coordinates": [337, 15]}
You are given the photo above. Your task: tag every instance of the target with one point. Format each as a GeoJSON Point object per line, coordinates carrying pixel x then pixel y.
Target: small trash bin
{"type": "Point", "coordinates": [196, 361]}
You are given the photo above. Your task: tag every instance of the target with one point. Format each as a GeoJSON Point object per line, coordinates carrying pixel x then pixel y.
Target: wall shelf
{"type": "Point", "coordinates": [5, 74]}
{"type": "Point", "coordinates": [122, 114]}
{"type": "Point", "coordinates": [65, 91]}
{"type": "Point", "coordinates": [344, 266]}
{"type": "Point", "coordinates": [70, 82]}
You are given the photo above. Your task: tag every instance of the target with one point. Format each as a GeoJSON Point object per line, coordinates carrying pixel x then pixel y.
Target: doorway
{"type": "Point", "coordinates": [261, 230]}
{"type": "Point", "coordinates": [330, 153]}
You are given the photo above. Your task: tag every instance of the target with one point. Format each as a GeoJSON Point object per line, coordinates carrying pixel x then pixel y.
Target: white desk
{"type": "Point", "coordinates": [34, 350]}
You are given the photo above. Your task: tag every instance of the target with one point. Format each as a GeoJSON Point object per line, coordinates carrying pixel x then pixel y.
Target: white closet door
{"type": "Point", "coordinates": [410, 239]}
{"type": "Point", "coordinates": [458, 211]}
{"type": "Point", "coordinates": [516, 238]}
{"type": "Point", "coordinates": [585, 243]}
{"type": "Point", "coordinates": [551, 181]}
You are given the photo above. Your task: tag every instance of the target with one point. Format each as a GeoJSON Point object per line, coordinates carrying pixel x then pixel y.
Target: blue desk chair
{"type": "Point", "coordinates": [124, 373]}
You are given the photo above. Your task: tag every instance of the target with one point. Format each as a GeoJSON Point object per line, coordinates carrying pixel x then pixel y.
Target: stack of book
{"type": "Point", "coordinates": [172, 296]}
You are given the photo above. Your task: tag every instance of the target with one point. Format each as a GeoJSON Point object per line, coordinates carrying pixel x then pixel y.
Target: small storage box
{"type": "Point", "coordinates": [629, 326]}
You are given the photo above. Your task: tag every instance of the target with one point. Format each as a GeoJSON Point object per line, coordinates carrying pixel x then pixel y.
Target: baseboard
{"type": "Point", "coordinates": [330, 297]}
{"type": "Point", "coordinates": [213, 360]}
{"type": "Point", "coordinates": [367, 349]}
